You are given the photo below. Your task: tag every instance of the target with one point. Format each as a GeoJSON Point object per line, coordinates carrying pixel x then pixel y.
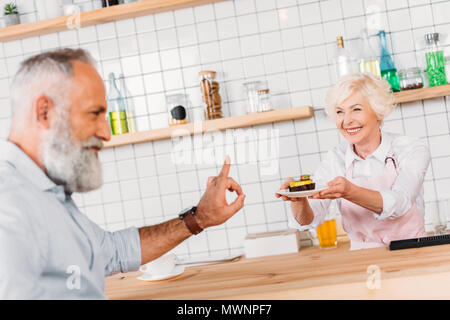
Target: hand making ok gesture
{"type": "Point", "coordinates": [213, 208]}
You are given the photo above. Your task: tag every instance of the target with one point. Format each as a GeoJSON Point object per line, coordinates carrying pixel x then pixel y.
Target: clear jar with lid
{"type": "Point", "coordinates": [177, 106]}
{"type": "Point", "coordinates": [210, 94]}
{"type": "Point", "coordinates": [252, 89]}
{"type": "Point", "coordinates": [264, 100]}
{"type": "Point", "coordinates": [425, 78]}
{"type": "Point", "coordinates": [410, 79]}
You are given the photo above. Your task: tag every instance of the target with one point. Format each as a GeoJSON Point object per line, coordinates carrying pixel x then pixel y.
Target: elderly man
{"type": "Point", "coordinates": [58, 127]}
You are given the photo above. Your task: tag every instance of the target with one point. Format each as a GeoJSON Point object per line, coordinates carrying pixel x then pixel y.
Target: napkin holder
{"type": "Point", "coordinates": [276, 242]}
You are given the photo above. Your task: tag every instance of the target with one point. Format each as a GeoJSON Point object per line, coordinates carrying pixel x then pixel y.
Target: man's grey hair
{"type": "Point", "coordinates": [48, 73]}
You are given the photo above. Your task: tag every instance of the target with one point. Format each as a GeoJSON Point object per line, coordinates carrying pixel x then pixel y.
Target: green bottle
{"type": "Point", "coordinates": [387, 67]}
{"type": "Point", "coordinates": [117, 108]}
{"type": "Point", "coordinates": [435, 60]}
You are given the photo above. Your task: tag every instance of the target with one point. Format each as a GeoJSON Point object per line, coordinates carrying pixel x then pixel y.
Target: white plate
{"type": "Point", "coordinates": [175, 272]}
{"type": "Point", "coordinates": [300, 194]}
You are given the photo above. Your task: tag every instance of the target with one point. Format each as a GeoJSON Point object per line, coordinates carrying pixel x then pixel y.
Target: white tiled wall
{"type": "Point", "coordinates": [289, 43]}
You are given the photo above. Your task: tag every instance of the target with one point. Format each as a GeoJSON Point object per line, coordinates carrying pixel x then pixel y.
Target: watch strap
{"type": "Point", "coordinates": [191, 222]}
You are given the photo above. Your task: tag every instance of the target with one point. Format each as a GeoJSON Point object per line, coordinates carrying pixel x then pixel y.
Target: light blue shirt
{"type": "Point", "coordinates": [48, 248]}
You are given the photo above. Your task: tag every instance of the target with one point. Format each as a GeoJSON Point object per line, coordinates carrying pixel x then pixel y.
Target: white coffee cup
{"type": "Point", "coordinates": [162, 266]}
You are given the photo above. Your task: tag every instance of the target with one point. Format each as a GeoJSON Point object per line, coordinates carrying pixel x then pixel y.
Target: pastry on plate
{"type": "Point", "coordinates": [305, 183]}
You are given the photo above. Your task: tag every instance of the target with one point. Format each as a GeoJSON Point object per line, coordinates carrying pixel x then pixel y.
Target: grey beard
{"type": "Point", "coordinates": [71, 163]}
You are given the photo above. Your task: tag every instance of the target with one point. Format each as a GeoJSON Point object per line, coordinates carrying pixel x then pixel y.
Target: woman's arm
{"type": "Point", "coordinates": [301, 209]}
{"type": "Point", "coordinates": [413, 165]}
{"type": "Point", "coordinates": [302, 212]}
{"type": "Point", "coordinates": [311, 213]}
{"type": "Point", "coordinates": [340, 187]}
{"type": "Point", "coordinates": [394, 202]}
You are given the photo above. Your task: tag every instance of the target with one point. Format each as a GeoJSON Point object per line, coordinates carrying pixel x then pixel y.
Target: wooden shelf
{"type": "Point", "coordinates": [103, 15]}
{"type": "Point", "coordinates": [422, 94]}
{"type": "Point", "coordinates": [256, 119]}
{"type": "Point", "coordinates": [211, 125]}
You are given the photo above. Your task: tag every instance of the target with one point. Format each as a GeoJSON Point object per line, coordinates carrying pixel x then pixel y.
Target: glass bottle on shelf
{"type": "Point", "coordinates": [129, 103]}
{"type": "Point", "coordinates": [387, 67]}
{"type": "Point", "coordinates": [210, 94]}
{"type": "Point", "coordinates": [177, 106]}
{"type": "Point", "coordinates": [368, 61]}
{"type": "Point", "coordinates": [117, 108]}
{"type": "Point", "coordinates": [343, 62]}
{"type": "Point", "coordinates": [434, 56]}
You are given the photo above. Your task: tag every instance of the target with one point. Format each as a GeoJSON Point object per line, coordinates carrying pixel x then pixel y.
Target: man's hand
{"type": "Point", "coordinates": [213, 209]}
{"type": "Point", "coordinates": [339, 187]}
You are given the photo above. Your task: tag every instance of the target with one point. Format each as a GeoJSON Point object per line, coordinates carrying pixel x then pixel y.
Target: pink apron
{"type": "Point", "coordinates": [363, 229]}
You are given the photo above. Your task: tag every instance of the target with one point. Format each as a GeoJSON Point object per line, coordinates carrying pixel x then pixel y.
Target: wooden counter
{"type": "Point", "coordinates": [312, 273]}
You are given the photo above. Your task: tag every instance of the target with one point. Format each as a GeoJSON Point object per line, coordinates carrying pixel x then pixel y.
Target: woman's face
{"type": "Point", "coordinates": [357, 121]}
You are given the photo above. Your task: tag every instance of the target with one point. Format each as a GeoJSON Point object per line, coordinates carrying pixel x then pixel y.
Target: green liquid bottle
{"type": "Point", "coordinates": [118, 119]}
{"type": "Point", "coordinates": [392, 77]}
{"type": "Point", "coordinates": [387, 67]}
{"type": "Point", "coordinates": [436, 68]}
{"type": "Point", "coordinates": [435, 60]}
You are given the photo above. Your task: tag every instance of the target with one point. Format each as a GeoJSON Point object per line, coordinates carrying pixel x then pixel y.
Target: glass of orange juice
{"type": "Point", "coordinates": [326, 233]}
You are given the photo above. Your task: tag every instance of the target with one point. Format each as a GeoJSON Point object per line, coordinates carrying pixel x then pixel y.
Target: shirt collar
{"type": "Point", "coordinates": [11, 153]}
{"type": "Point", "coordinates": [380, 153]}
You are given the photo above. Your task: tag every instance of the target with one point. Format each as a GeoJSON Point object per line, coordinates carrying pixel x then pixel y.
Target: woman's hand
{"type": "Point", "coordinates": [339, 187]}
{"type": "Point", "coordinates": [284, 186]}
{"type": "Point", "coordinates": [300, 207]}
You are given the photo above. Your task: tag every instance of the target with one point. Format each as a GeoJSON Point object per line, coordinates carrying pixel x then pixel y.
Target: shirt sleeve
{"type": "Point", "coordinates": [322, 175]}
{"type": "Point", "coordinates": [121, 249]}
{"type": "Point", "coordinates": [21, 258]}
{"type": "Point", "coordinates": [412, 169]}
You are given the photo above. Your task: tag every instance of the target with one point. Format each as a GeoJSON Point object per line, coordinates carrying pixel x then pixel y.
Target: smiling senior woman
{"type": "Point", "coordinates": [376, 177]}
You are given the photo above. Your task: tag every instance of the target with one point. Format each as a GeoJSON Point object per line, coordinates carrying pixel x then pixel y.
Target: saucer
{"type": "Point", "coordinates": [175, 272]}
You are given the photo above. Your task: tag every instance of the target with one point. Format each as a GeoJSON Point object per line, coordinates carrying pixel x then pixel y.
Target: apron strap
{"type": "Point", "coordinates": [389, 161]}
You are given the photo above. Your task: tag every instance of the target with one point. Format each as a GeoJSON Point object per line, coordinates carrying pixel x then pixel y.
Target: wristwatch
{"type": "Point", "coordinates": [188, 216]}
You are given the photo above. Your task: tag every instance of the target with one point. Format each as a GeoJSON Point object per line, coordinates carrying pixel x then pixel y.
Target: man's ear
{"type": "Point", "coordinates": [44, 108]}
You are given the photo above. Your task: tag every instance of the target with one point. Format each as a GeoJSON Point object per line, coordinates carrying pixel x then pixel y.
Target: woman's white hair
{"type": "Point", "coordinates": [376, 90]}
{"type": "Point", "coordinates": [47, 73]}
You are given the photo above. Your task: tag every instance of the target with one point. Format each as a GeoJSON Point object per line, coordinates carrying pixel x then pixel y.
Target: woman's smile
{"type": "Point", "coordinates": [353, 131]}
{"type": "Point", "coordinates": [359, 124]}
